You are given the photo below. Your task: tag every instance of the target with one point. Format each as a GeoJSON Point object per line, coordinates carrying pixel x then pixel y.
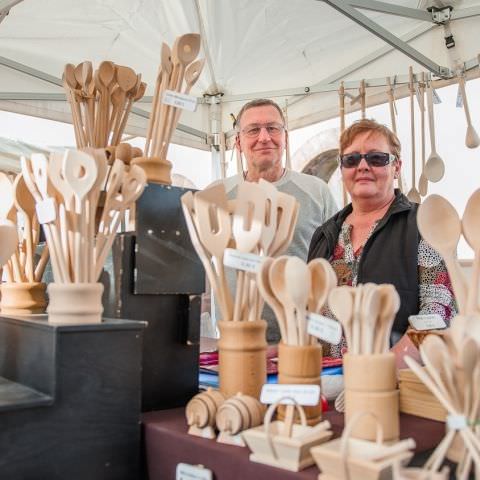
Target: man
{"type": "Point", "coordinates": [262, 138]}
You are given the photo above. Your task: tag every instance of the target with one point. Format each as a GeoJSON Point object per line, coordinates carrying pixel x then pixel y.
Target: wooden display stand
{"type": "Point", "coordinates": [70, 399]}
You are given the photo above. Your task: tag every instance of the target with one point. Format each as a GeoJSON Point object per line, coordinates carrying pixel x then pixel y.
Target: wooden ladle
{"type": "Point", "coordinates": [440, 226]}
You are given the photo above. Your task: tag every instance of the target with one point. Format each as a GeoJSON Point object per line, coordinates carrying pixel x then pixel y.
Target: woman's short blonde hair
{"type": "Point", "coordinates": [369, 125]}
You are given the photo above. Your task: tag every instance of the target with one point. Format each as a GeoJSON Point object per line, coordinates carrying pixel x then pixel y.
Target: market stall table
{"type": "Point", "coordinates": [167, 444]}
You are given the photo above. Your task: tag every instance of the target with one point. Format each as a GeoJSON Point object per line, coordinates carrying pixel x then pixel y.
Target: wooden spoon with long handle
{"type": "Point", "coordinates": [422, 181]}
{"type": "Point", "coordinates": [471, 138]}
{"type": "Point", "coordinates": [434, 168]}
{"type": "Point", "coordinates": [341, 303]}
{"type": "Point", "coordinates": [440, 226]}
{"type": "Point", "coordinates": [413, 194]}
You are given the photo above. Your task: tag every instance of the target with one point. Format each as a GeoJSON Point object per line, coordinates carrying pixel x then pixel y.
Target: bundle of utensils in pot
{"type": "Point", "coordinates": [260, 222]}
{"type": "Point", "coordinates": [367, 312]}
{"type": "Point", "coordinates": [66, 189]}
{"type": "Point", "coordinates": [101, 100]}
{"type": "Point", "coordinates": [452, 374]}
{"type": "Point", "coordinates": [22, 292]}
{"type": "Point", "coordinates": [177, 74]}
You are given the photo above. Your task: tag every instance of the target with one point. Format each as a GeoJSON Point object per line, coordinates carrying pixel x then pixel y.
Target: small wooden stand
{"type": "Point", "coordinates": [283, 445]}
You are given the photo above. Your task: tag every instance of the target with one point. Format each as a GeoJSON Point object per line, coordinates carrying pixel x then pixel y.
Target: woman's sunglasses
{"type": "Point", "coordinates": [373, 159]}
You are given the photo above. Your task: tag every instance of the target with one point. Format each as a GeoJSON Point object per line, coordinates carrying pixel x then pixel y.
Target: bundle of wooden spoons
{"type": "Point", "coordinates": [65, 188]}
{"type": "Point", "coordinates": [101, 101]}
{"type": "Point", "coordinates": [18, 211]}
{"type": "Point", "coordinates": [260, 220]}
{"type": "Point", "coordinates": [366, 313]}
{"type": "Point", "coordinates": [178, 72]}
{"type": "Point", "coordinates": [452, 374]}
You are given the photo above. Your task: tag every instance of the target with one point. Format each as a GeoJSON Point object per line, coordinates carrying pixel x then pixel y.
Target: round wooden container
{"type": "Point", "coordinates": [75, 303]}
{"type": "Point", "coordinates": [23, 298]}
{"type": "Point", "coordinates": [239, 413]}
{"type": "Point", "coordinates": [242, 357]}
{"type": "Point", "coordinates": [384, 405]}
{"type": "Point", "coordinates": [157, 170]}
{"type": "Point", "coordinates": [202, 408]}
{"type": "Point", "coordinates": [301, 365]}
{"type": "Point", "coordinates": [370, 373]}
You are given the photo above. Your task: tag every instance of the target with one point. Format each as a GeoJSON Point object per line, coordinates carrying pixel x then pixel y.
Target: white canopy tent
{"type": "Point", "coordinates": [295, 51]}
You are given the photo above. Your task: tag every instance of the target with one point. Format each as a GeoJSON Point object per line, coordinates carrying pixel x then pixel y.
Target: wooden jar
{"type": "Point", "coordinates": [23, 298]}
{"type": "Point", "coordinates": [370, 386]}
{"type": "Point", "coordinates": [75, 303]}
{"type": "Point", "coordinates": [158, 170]}
{"type": "Point", "coordinates": [242, 357]}
{"type": "Point", "coordinates": [301, 365]}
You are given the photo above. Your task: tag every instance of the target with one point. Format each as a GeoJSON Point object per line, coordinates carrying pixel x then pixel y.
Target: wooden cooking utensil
{"type": "Point", "coordinates": [340, 301]}
{"type": "Point", "coordinates": [471, 137]}
{"type": "Point", "coordinates": [471, 232]}
{"type": "Point", "coordinates": [370, 311]}
{"type": "Point", "coordinates": [422, 181]}
{"type": "Point", "coordinates": [440, 226]}
{"type": "Point", "coordinates": [413, 194]}
{"type": "Point", "coordinates": [390, 304]}
{"type": "Point", "coordinates": [434, 168]}
{"type": "Point", "coordinates": [286, 220]}
{"type": "Point", "coordinates": [322, 283]}
{"type": "Point", "coordinates": [8, 240]}
{"type": "Point", "coordinates": [263, 282]}
{"type": "Point", "coordinates": [6, 187]}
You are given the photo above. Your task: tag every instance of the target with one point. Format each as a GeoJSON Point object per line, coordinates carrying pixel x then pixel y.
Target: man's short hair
{"type": "Point", "coordinates": [259, 102]}
{"type": "Point", "coordinates": [369, 125]}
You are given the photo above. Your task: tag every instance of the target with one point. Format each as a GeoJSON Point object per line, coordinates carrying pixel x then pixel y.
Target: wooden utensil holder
{"type": "Point", "coordinates": [158, 170]}
{"type": "Point", "coordinates": [348, 458]}
{"type": "Point", "coordinates": [75, 303]}
{"type": "Point", "coordinates": [370, 386]}
{"type": "Point", "coordinates": [242, 357]}
{"type": "Point", "coordinates": [301, 365]}
{"type": "Point", "coordinates": [238, 413]}
{"type": "Point", "coordinates": [23, 298]}
{"type": "Point", "coordinates": [271, 446]}
{"type": "Point", "coordinates": [201, 411]}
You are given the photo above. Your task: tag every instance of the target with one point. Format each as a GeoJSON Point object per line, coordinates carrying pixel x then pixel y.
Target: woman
{"type": "Point", "coordinates": [375, 238]}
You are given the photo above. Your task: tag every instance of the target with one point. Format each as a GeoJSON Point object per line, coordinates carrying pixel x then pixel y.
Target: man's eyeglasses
{"type": "Point", "coordinates": [373, 159]}
{"type": "Point", "coordinates": [253, 130]}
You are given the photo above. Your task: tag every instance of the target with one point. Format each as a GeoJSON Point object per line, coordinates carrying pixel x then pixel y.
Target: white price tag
{"type": "Point", "coordinates": [180, 100]}
{"type": "Point", "coordinates": [427, 322]}
{"type": "Point", "coordinates": [308, 395]}
{"type": "Point", "coordinates": [249, 262]}
{"type": "Point", "coordinates": [324, 328]}
{"type": "Point", "coordinates": [456, 422]}
{"type": "Point", "coordinates": [46, 210]}
{"type": "Point", "coordinates": [192, 472]}
{"type": "Point", "coordinates": [436, 97]}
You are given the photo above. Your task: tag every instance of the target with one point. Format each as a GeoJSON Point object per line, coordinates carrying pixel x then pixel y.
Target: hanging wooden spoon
{"type": "Point", "coordinates": [434, 168]}
{"type": "Point", "coordinates": [422, 181]}
{"type": "Point", "coordinates": [413, 194]}
{"type": "Point", "coordinates": [471, 232]}
{"type": "Point", "coordinates": [471, 138]}
{"type": "Point", "coordinates": [440, 226]}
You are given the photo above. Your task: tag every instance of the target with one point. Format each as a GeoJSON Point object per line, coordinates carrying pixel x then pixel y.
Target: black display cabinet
{"type": "Point", "coordinates": [155, 275]}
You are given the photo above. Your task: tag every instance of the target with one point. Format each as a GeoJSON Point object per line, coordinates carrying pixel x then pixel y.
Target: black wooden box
{"type": "Point", "coordinates": [156, 276]}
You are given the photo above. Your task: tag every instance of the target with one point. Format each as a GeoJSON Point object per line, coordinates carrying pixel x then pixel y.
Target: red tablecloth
{"type": "Point", "coordinates": [167, 444]}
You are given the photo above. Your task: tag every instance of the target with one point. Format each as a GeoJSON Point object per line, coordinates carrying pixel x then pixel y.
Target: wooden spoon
{"type": "Point", "coordinates": [322, 283]}
{"type": "Point", "coordinates": [389, 306]}
{"type": "Point", "coordinates": [440, 226]}
{"type": "Point", "coordinates": [263, 282]}
{"type": "Point", "coordinates": [8, 240]}
{"type": "Point", "coordinates": [471, 137]}
{"type": "Point", "coordinates": [370, 315]}
{"type": "Point", "coordinates": [106, 77]}
{"type": "Point", "coordinates": [471, 232]}
{"type": "Point", "coordinates": [413, 194]}
{"type": "Point", "coordinates": [340, 302]}
{"type": "Point", "coordinates": [6, 205]}
{"type": "Point", "coordinates": [298, 284]}
{"type": "Point", "coordinates": [422, 181]}
{"type": "Point", "coordinates": [434, 168]}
